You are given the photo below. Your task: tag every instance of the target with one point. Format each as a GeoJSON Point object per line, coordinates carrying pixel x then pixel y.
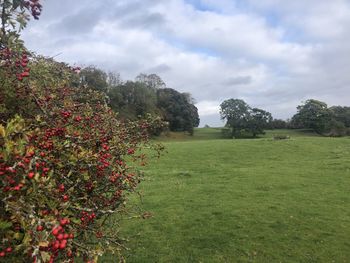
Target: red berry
{"type": "Point", "coordinates": [56, 245]}
{"type": "Point", "coordinates": [63, 244]}
{"type": "Point", "coordinates": [39, 228]}
{"type": "Point", "coordinates": [131, 151]}
{"type": "Point", "coordinates": [61, 187]}
{"type": "Point", "coordinates": [25, 74]}
{"type": "Point", "coordinates": [31, 175]}
{"type": "Point", "coordinates": [63, 222]}
{"type": "Point", "coordinates": [56, 230]}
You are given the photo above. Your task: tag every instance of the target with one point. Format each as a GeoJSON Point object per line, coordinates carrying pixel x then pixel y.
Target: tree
{"type": "Point", "coordinates": [113, 79]}
{"type": "Point", "coordinates": [153, 81]}
{"type": "Point", "coordinates": [258, 121]}
{"type": "Point", "coordinates": [133, 99]}
{"type": "Point", "coordinates": [14, 17]}
{"type": "Point", "coordinates": [241, 117]}
{"type": "Point", "coordinates": [236, 113]}
{"type": "Point", "coordinates": [341, 114]}
{"type": "Point", "coordinates": [95, 78]}
{"type": "Point", "coordinates": [278, 124]}
{"type": "Point", "coordinates": [177, 111]}
{"type": "Point", "coordinates": [313, 114]}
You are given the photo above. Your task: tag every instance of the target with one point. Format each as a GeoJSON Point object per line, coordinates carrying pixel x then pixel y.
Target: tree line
{"type": "Point", "coordinates": [147, 94]}
{"type": "Point", "coordinates": [243, 120]}
{"type": "Point", "coordinates": [324, 120]}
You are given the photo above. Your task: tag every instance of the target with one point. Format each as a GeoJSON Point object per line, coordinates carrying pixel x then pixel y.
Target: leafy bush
{"type": "Point", "coordinates": [66, 161]}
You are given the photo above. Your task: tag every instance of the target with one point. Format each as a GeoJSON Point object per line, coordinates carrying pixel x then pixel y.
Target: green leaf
{"type": "Point", "coordinates": [16, 3]}
{"type": "Point", "coordinates": [5, 225]}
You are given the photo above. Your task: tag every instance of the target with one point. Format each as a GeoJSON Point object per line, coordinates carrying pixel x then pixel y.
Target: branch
{"type": "Point", "coordinates": [3, 17]}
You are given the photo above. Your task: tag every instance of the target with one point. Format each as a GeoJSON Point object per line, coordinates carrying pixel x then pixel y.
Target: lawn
{"type": "Point", "coordinates": [251, 200]}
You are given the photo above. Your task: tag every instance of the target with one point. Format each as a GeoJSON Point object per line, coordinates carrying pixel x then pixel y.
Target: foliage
{"type": "Point", "coordinates": [177, 110]}
{"type": "Point", "coordinates": [258, 121]}
{"type": "Point", "coordinates": [94, 78]}
{"type": "Point", "coordinates": [67, 163]}
{"type": "Point", "coordinates": [148, 94]}
{"type": "Point", "coordinates": [152, 81]}
{"type": "Point", "coordinates": [278, 124]}
{"type": "Point", "coordinates": [133, 99]}
{"type": "Point", "coordinates": [242, 118]}
{"type": "Point", "coordinates": [14, 16]}
{"type": "Point", "coordinates": [341, 114]}
{"type": "Point", "coordinates": [313, 114]}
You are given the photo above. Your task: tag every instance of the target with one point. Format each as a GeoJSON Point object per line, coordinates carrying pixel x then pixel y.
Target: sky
{"type": "Point", "coordinates": [274, 54]}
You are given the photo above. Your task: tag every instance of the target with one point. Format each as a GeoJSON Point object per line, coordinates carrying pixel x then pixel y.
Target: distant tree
{"type": "Point", "coordinates": [335, 128]}
{"type": "Point", "coordinates": [147, 94]}
{"type": "Point", "coordinates": [153, 81]}
{"type": "Point", "coordinates": [341, 114]}
{"type": "Point", "coordinates": [94, 78]}
{"type": "Point", "coordinates": [313, 114]}
{"type": "Point", "coordinates": [278, 124]}
{"type": "Point", "coordinates": [236, 113]}
{"type": "Point", "coordinates": [240, 117]}
{"type": "Point", "coordinates": [258, 121]}
{"type": "Point", "coordinates": [177, 111]}
{"type": "Point", "coordinates": [113, 79]}
{"type": "Point", "coordinates": [194, 115]}
{"type": "Point", "coordinates": [189, 97]}
{"type": "Point", "coordinates": [133, 99]}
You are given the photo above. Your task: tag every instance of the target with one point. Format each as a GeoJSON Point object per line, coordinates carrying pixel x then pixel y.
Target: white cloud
{"type": "Point", "coordinates": [272, 53]}
{"type": "Point", "coordinates": [208, 107]}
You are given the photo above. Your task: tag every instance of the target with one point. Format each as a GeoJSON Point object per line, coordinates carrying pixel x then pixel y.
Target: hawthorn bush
{"type": "Point", "coordinates": [66, 162]}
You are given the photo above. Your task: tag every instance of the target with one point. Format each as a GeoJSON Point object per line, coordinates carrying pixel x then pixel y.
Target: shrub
{"type": "Point", "coordinates": [66, 161]}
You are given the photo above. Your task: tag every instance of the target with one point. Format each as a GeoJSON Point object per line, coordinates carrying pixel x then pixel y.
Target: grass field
{"type": "Point", "coordinates": [251, 200]}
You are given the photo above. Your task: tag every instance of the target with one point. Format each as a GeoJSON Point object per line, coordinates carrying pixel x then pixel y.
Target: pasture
{"type": "Point", "coordinates": [247, 200]}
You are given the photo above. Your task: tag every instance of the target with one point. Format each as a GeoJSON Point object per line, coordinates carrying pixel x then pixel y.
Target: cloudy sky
{"type": "Point", "coordinates": [271, 53]}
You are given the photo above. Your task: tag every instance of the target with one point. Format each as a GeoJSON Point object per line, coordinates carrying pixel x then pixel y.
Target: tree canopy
{"type": "Point", "coordinates": [177, 110]}
{"type": "Point", "coordinates": [148, 94]}
{"type": "Point", "coordinates": [315, 115]}
{"type": "Point", "coordinates": [240, 117]}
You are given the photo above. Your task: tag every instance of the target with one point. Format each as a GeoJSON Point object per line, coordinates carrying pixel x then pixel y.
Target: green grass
{"type": "Point", "coordinates": [215, 133]}
{"type": "Point", "coordinates": [252, 200]}
{"type": "Point", "coordinates": [199, 134]}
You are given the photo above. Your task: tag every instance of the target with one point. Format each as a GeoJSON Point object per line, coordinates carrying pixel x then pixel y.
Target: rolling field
{"type": "Point", "coordinates": [251, 200]}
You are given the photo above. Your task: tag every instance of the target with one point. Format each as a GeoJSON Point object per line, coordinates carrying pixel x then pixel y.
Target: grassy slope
{"type": "Point", "coordinates": [246, 201]}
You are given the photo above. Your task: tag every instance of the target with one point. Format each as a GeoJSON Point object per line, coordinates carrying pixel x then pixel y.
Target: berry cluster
{"type": "Point", "coordinates": [87, 218]}
{"type": "Point", "coordinates": [71, 157]}
{"type": "Point", "coordinates": [60, 241]}
{"type": "Point", "coordinates": [21, 64]}
{"type": "Point", "coordinates": [15, 62]}
{"type": "Point", "coordinates": [35, 8]}
{"type": "Point", "coordinates": [5, 252]}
